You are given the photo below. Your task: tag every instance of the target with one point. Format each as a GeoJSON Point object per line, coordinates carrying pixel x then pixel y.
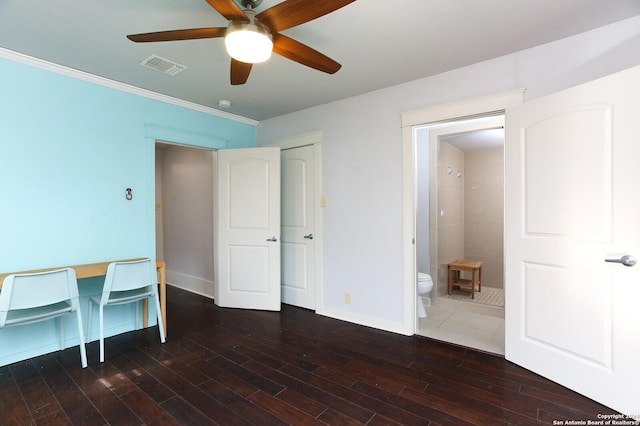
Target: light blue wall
{"type": "Point", "coordinates": [68, 150]}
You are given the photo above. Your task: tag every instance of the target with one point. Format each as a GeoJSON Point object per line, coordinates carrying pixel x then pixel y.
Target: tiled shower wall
{"type": "Point", "coordinates": [484, 212]}
{"type": "Point", "coordinates": [471, 212]}
{"type": "Point", "coordinates": [450, 210]}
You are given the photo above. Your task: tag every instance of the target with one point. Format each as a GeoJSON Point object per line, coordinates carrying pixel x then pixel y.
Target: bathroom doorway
{"type": "Point", "coordinates": [460, 216]}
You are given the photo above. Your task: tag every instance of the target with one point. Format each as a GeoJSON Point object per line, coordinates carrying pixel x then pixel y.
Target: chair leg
{"type": "Point", "coordinates": [159, 315]}
{"type": "Point", "coordinates": [83, 349]}
{"type": "Point", "coordinates": [101, 310]}
{"type": "Point", "coordinates": [61, 325]}
{"type": "Point", "coordinates": [89, 318]}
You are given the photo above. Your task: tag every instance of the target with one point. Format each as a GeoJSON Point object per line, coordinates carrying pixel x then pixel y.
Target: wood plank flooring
{"type": "Point", "coordinates": [236, 367]}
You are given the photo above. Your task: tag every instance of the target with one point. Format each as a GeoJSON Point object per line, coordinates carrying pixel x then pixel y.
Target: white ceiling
{"type": "Point", "coordinates": [476, 140]}
{"type": "Point", "coordinates": [380, 43]}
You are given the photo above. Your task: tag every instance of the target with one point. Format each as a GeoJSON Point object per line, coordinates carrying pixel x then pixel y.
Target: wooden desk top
{"type": "Point", "coordinates": [86, 270]}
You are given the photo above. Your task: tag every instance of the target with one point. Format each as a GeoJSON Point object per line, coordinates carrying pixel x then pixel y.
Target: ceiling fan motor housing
{"type": "Point", "coordinates": [248, 42]}
{"type": "Point", "coordinates": [251, 4]}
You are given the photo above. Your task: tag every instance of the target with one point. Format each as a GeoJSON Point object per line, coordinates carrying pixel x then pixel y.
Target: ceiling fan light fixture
{"type": "Point", "coordinates": [248, 42]}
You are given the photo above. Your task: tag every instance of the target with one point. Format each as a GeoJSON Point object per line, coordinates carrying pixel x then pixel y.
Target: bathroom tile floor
{"type": "Point", "coordinates": [457, 326]}
{"type": "Point", "coordinates": [488, 296]}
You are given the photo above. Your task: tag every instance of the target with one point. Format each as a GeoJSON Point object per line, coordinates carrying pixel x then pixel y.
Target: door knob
{"type": "Point", "coordinates": [626, 260]}
{"type": "Point", "coordinates": [309, 237]}
{"type": "Point", "coordinates": [272, 239]}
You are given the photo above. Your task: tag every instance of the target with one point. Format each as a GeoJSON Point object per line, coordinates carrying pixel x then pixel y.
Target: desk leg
{"type": "Point", "coordinates": [145, 313]}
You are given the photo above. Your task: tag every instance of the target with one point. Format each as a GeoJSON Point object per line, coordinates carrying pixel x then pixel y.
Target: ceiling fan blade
{"type": "Point", "coordinates": [189, 34]}
{"type": "Point", "coordinates": [239, 72]}
{"type": "Point", "coordinates": [303, 54]}
{"type": "Point", "coordinates": [229, 9]}
{"type": "Point", "coordinates": [291, 13]}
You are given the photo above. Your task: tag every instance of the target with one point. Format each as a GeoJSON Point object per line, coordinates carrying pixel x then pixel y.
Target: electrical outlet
{"type": "Point", "coordinates": [347, 298]}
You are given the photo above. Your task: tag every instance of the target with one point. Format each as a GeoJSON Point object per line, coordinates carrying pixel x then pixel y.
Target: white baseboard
{"type": "Point", "coordinates": [205, 288]}
{"type": "Point", "coordinates": [393, 327]}
{"type": "Point", "coordinates": [190, 283]}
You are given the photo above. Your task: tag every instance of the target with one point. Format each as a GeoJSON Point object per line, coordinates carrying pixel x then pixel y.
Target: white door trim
{"type": "Point", "coordinates": [446, 112]}
{"type": "Point", "coordinates": [314, 139]}
{"type": "Point", "coordinates": [463, 109]}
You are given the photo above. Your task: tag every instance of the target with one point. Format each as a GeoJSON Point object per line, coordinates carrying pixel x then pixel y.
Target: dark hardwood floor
{"type": "Point", "coordinates": [236, 367]}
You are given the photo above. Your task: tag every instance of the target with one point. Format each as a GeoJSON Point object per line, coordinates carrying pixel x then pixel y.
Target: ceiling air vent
{"type": "Point", "coordinates": [163, 65]}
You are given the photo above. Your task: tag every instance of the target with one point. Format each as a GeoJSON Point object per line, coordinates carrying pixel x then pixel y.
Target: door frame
{"type": "Point", "coordinates": [297, 141]}
{"type": "Point", "coordinates": [194, 284]}
{"type": "Point", "coordinates": [435, 133]}
{"type": "Point", "coordinates": [466, 109]}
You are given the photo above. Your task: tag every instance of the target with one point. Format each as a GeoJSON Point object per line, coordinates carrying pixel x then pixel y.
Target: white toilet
{"type": "Point", "coordinates": [425, 285]}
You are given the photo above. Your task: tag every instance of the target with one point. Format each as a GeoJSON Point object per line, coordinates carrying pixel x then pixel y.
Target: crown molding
{"type": "Point", "coordinates": [91, 78]}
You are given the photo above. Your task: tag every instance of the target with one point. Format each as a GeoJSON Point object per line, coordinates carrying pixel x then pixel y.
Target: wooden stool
{"type": "Point", "coordinates": [469, 266]}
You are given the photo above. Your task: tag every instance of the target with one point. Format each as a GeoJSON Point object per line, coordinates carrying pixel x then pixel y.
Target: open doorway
{"type": "Point", "coordinates": [185, 181]}
{"type": "Point", "coordinates": [459, 216]}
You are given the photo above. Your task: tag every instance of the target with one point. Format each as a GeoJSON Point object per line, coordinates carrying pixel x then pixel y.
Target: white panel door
{"type": "Point", "coordinates": [572, 201]}
{"type": "Point", "coordinates": [248, 228]}
{"type": "Point", "coordinates": [298, 245]}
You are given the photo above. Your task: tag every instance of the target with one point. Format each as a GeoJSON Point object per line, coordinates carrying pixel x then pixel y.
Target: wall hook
{"type": "Point", "coordinates": [129, 194]}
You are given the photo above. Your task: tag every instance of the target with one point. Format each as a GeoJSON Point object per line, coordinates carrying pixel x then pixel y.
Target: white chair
{"type": "Point", "coordinates": [33, 297]}
{"type": "Point", "coordinates": [127, 282]}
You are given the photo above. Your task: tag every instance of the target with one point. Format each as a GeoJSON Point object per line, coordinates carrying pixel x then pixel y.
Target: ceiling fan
{"type": "Point", "coordinates": [260, 33]}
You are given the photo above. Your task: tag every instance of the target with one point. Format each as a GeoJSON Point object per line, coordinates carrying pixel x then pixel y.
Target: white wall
{"type": "Point", "coordinates": [423, 189]}
{"type": "Point", "coordinates": [362, 158]}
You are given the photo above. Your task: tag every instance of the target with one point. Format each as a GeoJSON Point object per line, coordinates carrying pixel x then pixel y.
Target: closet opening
{"type": "Point", "coordinates": [184, 210]}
